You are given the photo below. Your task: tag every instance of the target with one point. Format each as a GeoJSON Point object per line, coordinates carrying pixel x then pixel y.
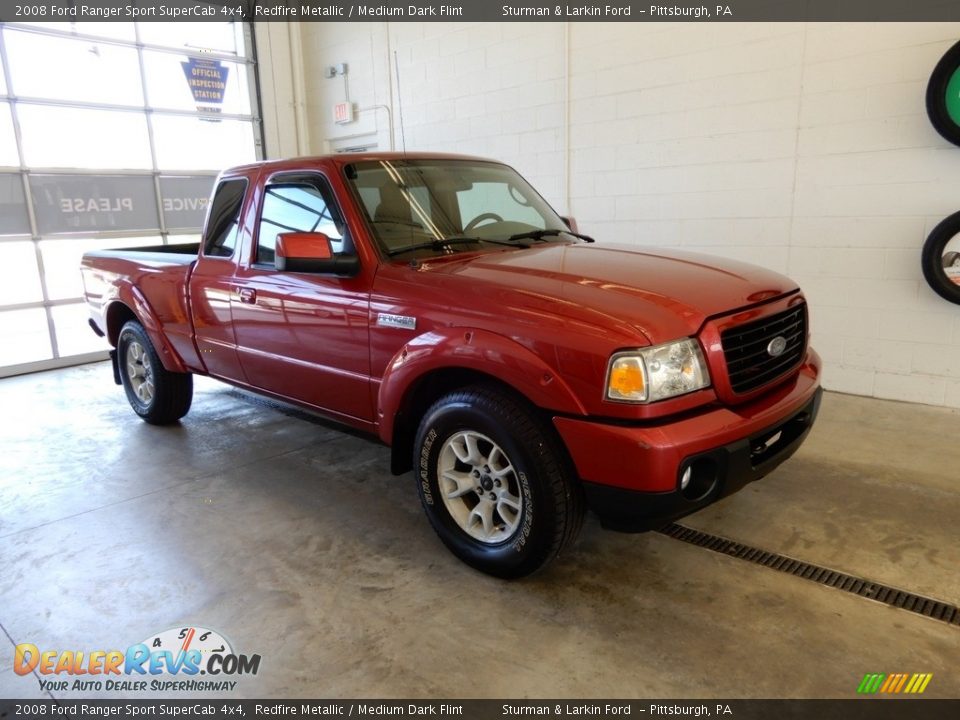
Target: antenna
{"type": "Point", "coordinates": [396, 71]}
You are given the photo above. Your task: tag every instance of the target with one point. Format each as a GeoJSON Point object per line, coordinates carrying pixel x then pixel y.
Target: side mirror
{"type": "Point", "coordinates": [570, 223]}
{"type": "Point", "coordinates": [310, 252]}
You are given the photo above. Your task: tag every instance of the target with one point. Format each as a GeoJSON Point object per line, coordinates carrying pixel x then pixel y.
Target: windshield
{"type": "Point", "coordinates": [437, 207]}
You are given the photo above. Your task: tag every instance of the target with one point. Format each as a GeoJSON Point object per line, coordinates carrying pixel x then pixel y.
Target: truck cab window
{"type": "Point", "coordinates": [415, 205]}
{"type": "Point", "coordinates": [503, 199]}
{"type": "Point", "coordinates": [296, 207]}
{"type": "Point", "coordinates": [224, 223]}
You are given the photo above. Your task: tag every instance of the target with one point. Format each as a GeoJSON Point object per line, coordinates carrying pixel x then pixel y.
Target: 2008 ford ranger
{"type": "Point", "coordinates": [522, 371]}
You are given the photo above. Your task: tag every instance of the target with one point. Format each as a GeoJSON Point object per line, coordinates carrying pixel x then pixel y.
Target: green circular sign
{"type": "Point", "coordinates": [952, 97]}
{"type": "Point", "coordinates": [943, 95]}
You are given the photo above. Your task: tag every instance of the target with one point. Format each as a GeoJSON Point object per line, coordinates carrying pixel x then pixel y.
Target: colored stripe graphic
{"type": "Point", "coordinates": [913, 684]}
{"type": "Point", "coordinates": [870, 683]}
{"type": "Point", "coordinates": [918, 683]}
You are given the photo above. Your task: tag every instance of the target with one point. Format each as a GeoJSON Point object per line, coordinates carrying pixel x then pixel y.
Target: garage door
{"type": "Point", "coordinates": [110, 136]}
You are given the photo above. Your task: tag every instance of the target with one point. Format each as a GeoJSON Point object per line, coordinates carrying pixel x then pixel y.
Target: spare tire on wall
{"type": "Point", "coordinates": [943, 96]}
{"type": "Point", "coordinates": [941, 259]}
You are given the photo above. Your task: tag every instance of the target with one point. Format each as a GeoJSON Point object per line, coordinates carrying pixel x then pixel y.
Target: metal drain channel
{"type": "Point", "coordinates": [895, 597]}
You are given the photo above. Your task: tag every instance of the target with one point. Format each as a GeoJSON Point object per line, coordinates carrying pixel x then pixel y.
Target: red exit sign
{"type": "Point", "coordinates": [343, 113]}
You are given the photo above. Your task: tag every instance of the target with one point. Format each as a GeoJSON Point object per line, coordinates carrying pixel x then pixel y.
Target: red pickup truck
{"type": "Point", "coordinates": [522, 371]}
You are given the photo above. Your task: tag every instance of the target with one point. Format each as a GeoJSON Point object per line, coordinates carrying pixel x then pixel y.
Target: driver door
{"type": "Point", "coordinates": [303, 336]}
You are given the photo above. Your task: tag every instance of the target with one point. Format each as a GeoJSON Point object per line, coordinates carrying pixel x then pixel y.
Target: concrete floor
{"type": "Point", "coordinates": [292, 539]}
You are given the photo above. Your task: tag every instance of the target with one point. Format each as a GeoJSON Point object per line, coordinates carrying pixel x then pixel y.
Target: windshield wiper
{"type": "Point", "coordinates": [440, 244]}
{"type": "Point", "coordinates": [541, 234]}
{"type": "Point", "coordinates": [509, 242]}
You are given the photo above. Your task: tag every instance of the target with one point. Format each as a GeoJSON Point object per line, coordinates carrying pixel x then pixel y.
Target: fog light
{"type": "Point", "coordinates": [699, 479]}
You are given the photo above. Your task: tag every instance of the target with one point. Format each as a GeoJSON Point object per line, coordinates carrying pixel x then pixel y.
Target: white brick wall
{"type": "Point", "coordinates": [801, 147]}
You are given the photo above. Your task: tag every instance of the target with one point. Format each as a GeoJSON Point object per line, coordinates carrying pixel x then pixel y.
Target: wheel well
{"type": "Point", "coordinates": [118, 315]}
{"type": "Point", "coordinates": [423, 393]}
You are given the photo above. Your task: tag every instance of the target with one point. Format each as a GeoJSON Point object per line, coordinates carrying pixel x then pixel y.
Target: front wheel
{"type": "Point", "coordinates": [157, 395]}
{"type": "Point", "coordinates": [495, 483]}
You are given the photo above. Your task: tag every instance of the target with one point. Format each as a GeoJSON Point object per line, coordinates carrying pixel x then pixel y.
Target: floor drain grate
{"type": "Point", "coordinates": [895, 597]}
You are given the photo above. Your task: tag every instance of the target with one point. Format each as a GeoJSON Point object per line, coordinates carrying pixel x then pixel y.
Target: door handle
{"type": "Point", "coordinates": [248, 296]}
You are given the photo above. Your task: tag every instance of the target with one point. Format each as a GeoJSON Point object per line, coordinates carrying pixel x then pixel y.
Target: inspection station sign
{"type": "Point", "coordinates": [207, 79]}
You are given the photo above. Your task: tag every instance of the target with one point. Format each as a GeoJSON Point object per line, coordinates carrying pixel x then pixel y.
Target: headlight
{"type": "Point", "coordinates": [657, 373]}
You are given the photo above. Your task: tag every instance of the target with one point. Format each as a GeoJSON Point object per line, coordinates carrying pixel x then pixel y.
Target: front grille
{"type": "Point", "coordinates": [749, 363]}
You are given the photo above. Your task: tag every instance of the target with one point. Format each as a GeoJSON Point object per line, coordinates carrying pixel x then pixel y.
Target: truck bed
{"type": "Point", "coordinates": [182, 254]}
{"type": "Point", "coordinates": [155, 280]}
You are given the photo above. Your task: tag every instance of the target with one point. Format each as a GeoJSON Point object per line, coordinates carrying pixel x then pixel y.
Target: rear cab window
{"type": "Point", "coordinates": [223, 226]}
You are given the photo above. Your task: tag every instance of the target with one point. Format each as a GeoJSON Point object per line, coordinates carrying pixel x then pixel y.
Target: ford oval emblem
{"type": "Point", "coordinates": [776, 346]}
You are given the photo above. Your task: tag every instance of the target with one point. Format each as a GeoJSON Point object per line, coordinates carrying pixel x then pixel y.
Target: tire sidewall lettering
{"type": "Point", "coordinates": [424, 468]}
{"type": "Point", "coordinates": [526, 524]}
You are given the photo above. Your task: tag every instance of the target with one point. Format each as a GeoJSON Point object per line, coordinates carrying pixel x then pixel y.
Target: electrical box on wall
{"type": "Point", "coordinates": [343, 113]}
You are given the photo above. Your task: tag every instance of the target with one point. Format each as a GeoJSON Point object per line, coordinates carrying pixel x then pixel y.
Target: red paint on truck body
{"type": "Point", "coordinates": [543, 320]}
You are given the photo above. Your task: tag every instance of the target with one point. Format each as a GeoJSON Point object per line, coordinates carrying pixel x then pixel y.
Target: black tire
{"type": "Point", "coordinates": [940, 118]}
{"type": "Point", "coordinates": [550, 498]}
{"type": "Point", "coordinates": [171, 393]}
{"type": "Point", "coordinates": [934, 258]}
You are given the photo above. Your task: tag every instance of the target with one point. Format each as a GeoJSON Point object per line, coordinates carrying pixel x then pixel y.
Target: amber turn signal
{"type": "Point", "coordinates": [627, 379]}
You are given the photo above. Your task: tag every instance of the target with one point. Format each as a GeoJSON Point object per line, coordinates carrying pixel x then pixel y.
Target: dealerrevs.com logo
{"type": "Point", "coordinates": [166, 662]}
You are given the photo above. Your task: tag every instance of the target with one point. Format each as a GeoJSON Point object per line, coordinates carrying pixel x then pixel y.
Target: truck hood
{"type": "Point", "coordinates": [665, 294]}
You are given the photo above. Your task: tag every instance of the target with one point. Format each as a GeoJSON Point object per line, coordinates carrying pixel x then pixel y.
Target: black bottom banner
{"type": "Point", "coordinates": [854, 709]}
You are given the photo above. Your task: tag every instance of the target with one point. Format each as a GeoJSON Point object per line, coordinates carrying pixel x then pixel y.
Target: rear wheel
{"type": "Point", "coordinates": [157, 395]}
{"type": "Point", "coordinates": [495, 482]}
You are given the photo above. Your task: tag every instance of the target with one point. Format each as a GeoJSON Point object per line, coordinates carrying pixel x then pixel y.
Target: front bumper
{"type": "Point", "coordinates": [631, 474]}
